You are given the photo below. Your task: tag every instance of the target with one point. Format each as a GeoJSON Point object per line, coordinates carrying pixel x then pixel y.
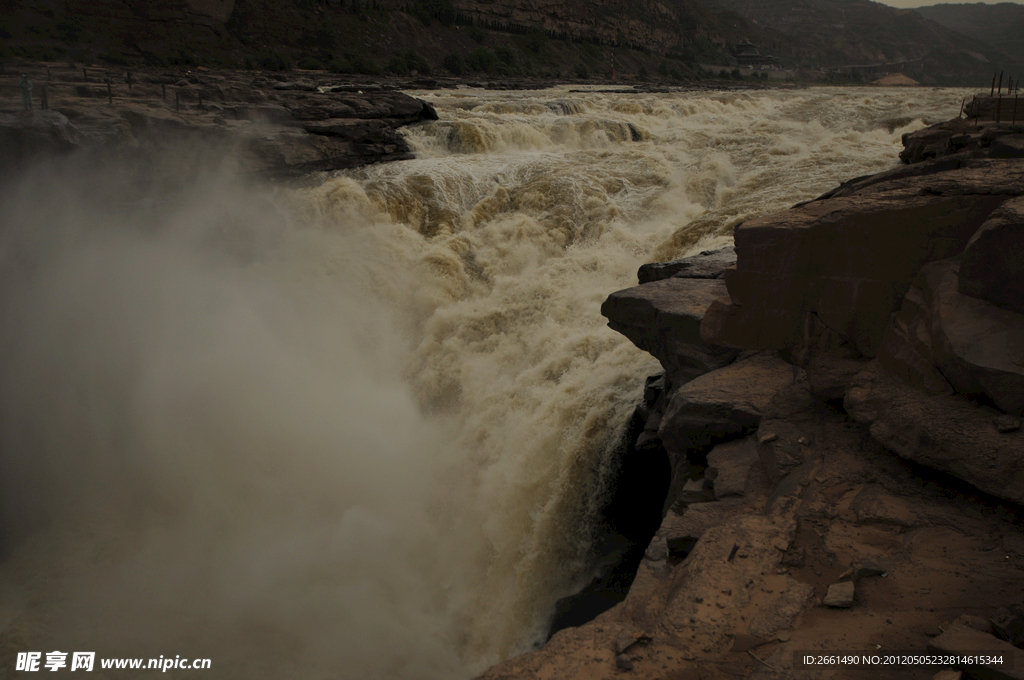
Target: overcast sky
{"type": "Point", "coordinates": [922, 3]}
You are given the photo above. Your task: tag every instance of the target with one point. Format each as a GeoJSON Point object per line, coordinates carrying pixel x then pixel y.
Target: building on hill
{"type": "Point", "coordinates": [896, 80]}
{"type": "Point", "coordinates": [748, 55]}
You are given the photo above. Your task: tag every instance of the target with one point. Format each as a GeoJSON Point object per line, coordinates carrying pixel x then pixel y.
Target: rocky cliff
{"type": "Point", "coordinates": [841, 414]}
{"type": "Point", "coordinates": [278, 126]}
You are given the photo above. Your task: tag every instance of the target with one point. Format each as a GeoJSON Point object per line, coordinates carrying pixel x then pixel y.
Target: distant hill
{"type": "Point", "coordinates": [1000, 25]}
{"type": "Point", "coordinates": [655, 39]}
{"type": "Point", "coordinates": [839, 33]}
{"type": "Point", "coordinates": [663, 39]}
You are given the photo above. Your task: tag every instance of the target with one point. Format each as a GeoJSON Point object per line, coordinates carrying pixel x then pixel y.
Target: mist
{"type": "Point", "coordinates": [207, 445]}
{"type": "Point", "coordinates": [360, 427]}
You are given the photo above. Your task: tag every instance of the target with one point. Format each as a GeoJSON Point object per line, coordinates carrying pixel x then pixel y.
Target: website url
{"type": "Point", "coordinates": [86, 661]}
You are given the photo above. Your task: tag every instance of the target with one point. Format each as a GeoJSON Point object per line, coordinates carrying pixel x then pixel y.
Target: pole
{"type": "Point", "coordinates": [1000, 89]}
{"type": "Point", "coordinates": [992, 92]}
{"type": "Point", "coordinates": [960, 115]}
{"type": "Point", "coordinates": [999, 105]}
{"type": "Point", "coordinates": [129, 79]}
{"type": "Point", "coordinates": [85, 76]}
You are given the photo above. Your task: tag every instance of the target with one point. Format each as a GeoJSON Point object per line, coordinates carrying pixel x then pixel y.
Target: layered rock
{"type": "Point", "coordinates": [849, 260]}
{"type": "Point", "coordinates": [992, 267]}
{"type": "Point", "coordinates": [944, 432]}
{"type": "Point", "coordinates": [663, 315]}
{"type": "Point", "coordinates": [279, 128]}
{"type": "Point", "coordinates": [881, 324]}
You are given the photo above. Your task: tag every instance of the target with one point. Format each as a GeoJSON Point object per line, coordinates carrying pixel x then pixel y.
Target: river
{"type": "Point", "coordinates": [358, 429]}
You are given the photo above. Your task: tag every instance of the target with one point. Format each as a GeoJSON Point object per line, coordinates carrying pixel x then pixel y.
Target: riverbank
{"type": "Point", "coordinates": [279, 124]}
{"type": "Point", "coordinates": [841, 414]}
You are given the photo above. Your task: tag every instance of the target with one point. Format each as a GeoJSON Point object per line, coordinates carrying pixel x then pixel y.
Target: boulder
{"type": "Point", "coordinates": [1010, 146]}
{"type": "Point", "coordinates": [978, 346]}
{"type": "Point", "coordinates": [729, 465]}
{"type": "Point", "coordinates": [941, 340]}
{"type": "Point", "coordinates": [663, 318]}
{"type": "Point", "coordinates": [963, 641]}
{"type": "Point", "coordinates": [992, 267]}
{"type": "Point", "coordinates": [721, 405]}
{"type": "Point", "coordinates": [848, 260]}
{"type": "Point", "coordinates": [945, 432]}
{"type": "Point", "coordinates": [839, 595]}
{"type": "Point", "coordinates": [906, 350]}
{"type": "Point", "coordinates": [26, 133]}
{"type": "Point", "coordinates": [1008, 624]}
{"type": "Point", "coordinates": [710, 264]}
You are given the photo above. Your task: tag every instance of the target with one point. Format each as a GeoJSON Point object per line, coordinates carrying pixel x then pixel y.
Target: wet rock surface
{"type": "Point", "coordinates": [851, 478]}
{"type": "Point", "coordinates": [280, 125]}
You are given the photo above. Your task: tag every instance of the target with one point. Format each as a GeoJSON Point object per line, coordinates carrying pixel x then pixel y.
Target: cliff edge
{"type": "Point", "coordinates": [841, 413]}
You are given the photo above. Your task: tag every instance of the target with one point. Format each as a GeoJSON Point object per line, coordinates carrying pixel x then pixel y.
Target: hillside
{"type": "Point", "coordinates": [548, 39]}
{"type": "Point", "coordinates": [543, 38]}
{"type": "Point", "coordinates": [876, 39]}
{"type": "Point", "coordinates": [1001, 25]}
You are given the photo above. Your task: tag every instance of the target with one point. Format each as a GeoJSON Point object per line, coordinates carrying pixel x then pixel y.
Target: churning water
{"type": "Point", "coordinates": [358, 430]}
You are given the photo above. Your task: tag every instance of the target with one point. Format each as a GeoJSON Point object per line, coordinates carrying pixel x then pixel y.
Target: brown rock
{"type": "Point", "coordinates": [850, 259]}
{"type": "Point", "coordinates": [961, 640]}
{"type": "Point", "coordinates": [1008, 624]}
{"type": "Point", "coordinates": [978, 347]}
{"type": "Point", "coordinates": [718, 406]}
{"type": "Point", "coordinates": [941, 339]}
{"type": "Point", "coordinates": [906, 349]}
{"type": "Point", "coordinates": [710, 264]}
{"type": "Point", "coordinates": [937, 430]}
{"type": "Point", "coordinates": [975, 622]}
{"type": "Point", "coordinates": [724, 403]}
{"type": "Point", "coordinates": [992, 266]}
{"type": "Point", "coordinates": [1006, 424]}
{"type": "Point", "coordinates": [663, 318]}
{"type": "Point", "coordinates": [729, 465]}
{"type": "Point", "coordinates": [839, 595]}
{"type": "Point", "coordinates": [948, 675]}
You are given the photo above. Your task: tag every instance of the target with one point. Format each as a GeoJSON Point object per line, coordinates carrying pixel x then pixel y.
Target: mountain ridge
{"type": "Point", "coordinates": [855, 40]}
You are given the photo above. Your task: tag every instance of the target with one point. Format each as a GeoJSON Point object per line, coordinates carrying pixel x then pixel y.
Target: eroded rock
{"type": "Point", "coordinates": [729, 466]}
{"type": "Point", "coordinates": [937, 431]}
{"type": "Point", "coordinates": [710, 264]}
{"type": "Point", "coordinates": [992, 267]}
{"type": "Point", "coordinates": [963, 641]}
{"type": "Point", "coordinates": [847, 260]}
{"type": "Point", "coordinates": [663, 318]}
{"type": "Point", "coordinates": [839, 595]}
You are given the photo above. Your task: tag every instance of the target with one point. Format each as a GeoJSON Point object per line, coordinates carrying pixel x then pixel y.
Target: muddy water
{"type": "Point", "coordinates": [360, 429]}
